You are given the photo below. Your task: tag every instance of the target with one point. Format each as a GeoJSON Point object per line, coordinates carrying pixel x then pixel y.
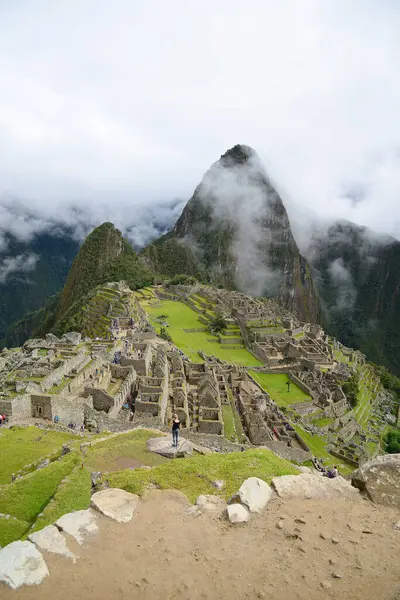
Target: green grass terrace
{"type": "Point", "coordinates": [180, 319]}
{"type": "Point", "coordinates": [275, 385]}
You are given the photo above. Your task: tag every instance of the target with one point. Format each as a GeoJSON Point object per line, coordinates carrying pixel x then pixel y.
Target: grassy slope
{"type": "Point", "coordinates": [19, 447]}
{"type": "Point", "coordinates": [25, 498]}
{"type": "Point", "coordinates": [275, 386]}
{"type": "Point", "coordinates": [193, 476]}
{"type": "Point", "coordinates": [72, 495]}
{"type": "Point", "coordinates": [180, 317]}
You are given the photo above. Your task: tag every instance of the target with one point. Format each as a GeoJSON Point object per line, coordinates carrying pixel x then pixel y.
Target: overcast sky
{"type": "Point", "coordinates": [112, 107]}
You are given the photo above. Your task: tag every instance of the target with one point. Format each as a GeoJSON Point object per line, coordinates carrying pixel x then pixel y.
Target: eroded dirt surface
{"type": "Point", "coordinates": [302, 550]}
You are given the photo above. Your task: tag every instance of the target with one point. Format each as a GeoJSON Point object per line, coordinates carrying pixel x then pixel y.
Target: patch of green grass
{"type": "Point", "coordinates": [323, 421]}
{"type": "Point", "coordinates": [25, 498]}
{"type": "Point", "coordinates": [107, 455]}
{"type": "Point", "coordinates": [22, 446]}
{"type": "Point", "coordinates": [275, 385]}
{"type": "Point", "coordinates": [317, 445]}
{"type": "Point", "coordinates": [229, 423]}
{"type": "Point", "coordinates": [193, 476]}
{"type": "Point", "coordinates": [180, 317]}
{"type": "Point", "coordinates": [11, 530]}
{"type": "Point", "coordinates": [72, 495]}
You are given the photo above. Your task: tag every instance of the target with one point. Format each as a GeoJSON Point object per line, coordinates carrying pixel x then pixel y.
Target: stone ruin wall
{"type": "Point", "coordinates": [78, 361]}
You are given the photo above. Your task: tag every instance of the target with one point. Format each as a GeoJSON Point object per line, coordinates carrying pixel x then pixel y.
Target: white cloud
{"type": "Point", "coordinates": [22, 263]}
{"type": "Point", "coordinates": [113, 106]}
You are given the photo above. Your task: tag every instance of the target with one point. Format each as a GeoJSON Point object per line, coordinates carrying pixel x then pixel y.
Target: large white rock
{"type": "Point", "coordinates": [163, 446]}
{"type": "Point", "coordinates": [50, 539]}
{"type": "Point", "coordinates": [209, 503]}
{"type": "Point", "coordinates": [255, 494]}
{"type": "Point", "coordinates": [310, 486]}
{"type": "Point", "coordinates": [22, 564]}
{"type": "Point", "coordinates": [237, 513]}
{"type": "Point", "coordinates": [116, 504]}
{"type": "Point", "coordinates": [79, 524]}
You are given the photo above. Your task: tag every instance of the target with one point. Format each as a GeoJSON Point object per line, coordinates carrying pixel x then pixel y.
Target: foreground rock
{"type": "Point", "coordinates": [163, 446]}
{"type": "Point", "coordinates": [254, 494]}
{"type": "Point", "coordinates": [209, 503]}
{"type": "Point", "coordinates": [237, 513]}
{"type": "Point", "coordinates": [79, 524]}
{"type": "Point", "coordinates": [380, 478]}
{"type": "Point", "coordinates": [116, 504]}
{"type": "Point", "coordinates": [22, 564]}
{"type": "Point", "coordinates": [51, 540]}
{"type": "Point", "coordinates": [309, 486]}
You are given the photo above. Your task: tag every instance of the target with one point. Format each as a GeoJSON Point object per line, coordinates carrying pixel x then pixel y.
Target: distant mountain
{"type": "Point", "coordinates": [357, 274]}
{"type": "Point", "coordinates": [235, 232]}
{"type": "Point", "coordinates": [31, 272]}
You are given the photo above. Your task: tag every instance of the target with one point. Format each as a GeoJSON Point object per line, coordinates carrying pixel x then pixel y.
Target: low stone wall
{"type": "Point", "coordinates": [284, 451]}
{"type": "Point", "coordinates": [303, 386]}
{"type": "Point", "coordinates": [56, 376]}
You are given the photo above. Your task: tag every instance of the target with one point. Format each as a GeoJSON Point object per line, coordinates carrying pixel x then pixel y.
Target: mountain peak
{"type": "Point", "coordinates": [238, 154]}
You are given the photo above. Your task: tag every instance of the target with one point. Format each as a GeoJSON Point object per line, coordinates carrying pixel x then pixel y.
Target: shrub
{"type": "Point", "coordinates": [165, 335]}
{"type": "Point", "coordinates": [218, 325]}
{"type": "Point", "coordinates": [392, 441]}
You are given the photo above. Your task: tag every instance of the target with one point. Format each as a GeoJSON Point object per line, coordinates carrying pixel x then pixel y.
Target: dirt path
{"type": "Point", "coordinates": [165, 553]}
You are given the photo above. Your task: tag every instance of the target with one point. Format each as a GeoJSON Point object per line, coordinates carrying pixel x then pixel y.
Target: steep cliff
{"type": "Point", "coordinates": [235, 232]}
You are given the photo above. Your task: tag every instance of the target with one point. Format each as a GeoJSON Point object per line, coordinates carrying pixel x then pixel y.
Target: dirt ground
{"type": "Point", "coordinates": [295, 550]}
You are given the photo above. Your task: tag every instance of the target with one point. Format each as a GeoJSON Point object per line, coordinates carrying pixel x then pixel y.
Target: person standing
{"type": "Point", "coordinates": [176, 425]}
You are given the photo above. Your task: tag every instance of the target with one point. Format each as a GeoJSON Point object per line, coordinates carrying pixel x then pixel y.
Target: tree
{"type": "Point", "coordinates": [218, 325]}
{"type": "Point", "coordinates": [351, 388]}
{"type": "Point", "coordinates": [392, 441]}
{"type": "Point", "coordinates": [165, 335]}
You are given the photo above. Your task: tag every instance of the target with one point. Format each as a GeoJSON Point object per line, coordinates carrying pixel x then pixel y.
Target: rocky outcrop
{"type": "Point", "coordinates": [51, 540]}
{"type": "Point", "coordinates": [116, 504]}
{"type": "Point", "coordinates": [163, 446]}
{"type": "Point", "coordinates": [22, 564]}
{"type": "Point", "coordinates": [314, 487]}
{"type": "Point", "coordinates": [380, 478]}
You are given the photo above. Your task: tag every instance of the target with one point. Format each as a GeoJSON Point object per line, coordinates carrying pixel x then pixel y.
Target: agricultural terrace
{"type": "Point", "coordinates": [182, 320]}
{"type": "Point", "coordinates": [275, 385]}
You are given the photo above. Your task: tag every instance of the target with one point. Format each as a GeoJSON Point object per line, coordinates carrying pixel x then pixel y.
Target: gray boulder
{"type": "Point", "coordinates": [51, 540]}
{"type": "Point", "coordinates": [43, 464]}
{"type": "Point", "coordinates": [52, 339]}
{"type": "Point", "coordinates": [163, 446]}
{"type": "Point", "coordinates": [72, 337]}
{"type": "Point", "coordinates": [116, 504]}
{"type": "Point", "coordinates": [237, 513]}
{"type": "Point", "coordinates": [22, 564]}
{"type": "Point", "coordinates": [255, 494]}
{"type": "Point", "coordinates": [380, 478]}
{"type": "Point", "coordinates": [310, 486]}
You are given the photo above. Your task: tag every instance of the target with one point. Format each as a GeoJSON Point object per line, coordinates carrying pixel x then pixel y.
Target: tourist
{"type": "Point", "coordinates": [332, 473]}
{"type": "Point", "coordinates": [176, 424]}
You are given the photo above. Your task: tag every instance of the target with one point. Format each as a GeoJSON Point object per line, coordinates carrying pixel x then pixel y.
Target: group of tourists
{"type": "Point", "coordinates": [330, 472]}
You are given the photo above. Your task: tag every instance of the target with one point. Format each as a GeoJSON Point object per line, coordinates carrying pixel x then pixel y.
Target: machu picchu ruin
{"type": "Point", "coordinates": [266, 379]}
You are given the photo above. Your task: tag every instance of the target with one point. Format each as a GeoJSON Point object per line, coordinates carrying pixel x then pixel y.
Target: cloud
{"type": "Point", "coordinates": [22, 263]}
{"type": "Point", "coordinates": [116, 107]}
{"type": "Point", "coordinates": [343, 283]}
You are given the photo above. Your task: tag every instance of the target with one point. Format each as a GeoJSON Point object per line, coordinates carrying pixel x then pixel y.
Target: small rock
{"type": "Point", "coordinates": [337, 575]}
{"type": "Point", "coordinates": [366, 530]}
{"type": "Point", "coordinates": [49, 538]}
{"type": "Point", "coordinates": [322, 536]}
{"type": "Point", "coordinates": [280, 525]}
{"type": "Point", "coordinates": [300, 520]}
{"type": "Point", "coordinates": [237, 513]}
{"type": "Point", "coordinates": [218, 483]}
{"type": "Point", "coordinates": [79, 524]}
{"type": "Point", "coordinates": [332, 561]}
{"type": "Point", "coordinates": [326, 585]}
{"type": "Point", "coordinates": [335, 541]}
{"type": "Point", "coordinates": [396, 526]}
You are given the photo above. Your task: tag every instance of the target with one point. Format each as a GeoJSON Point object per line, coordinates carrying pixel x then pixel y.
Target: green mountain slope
{"type": "Point", "coordinates": [235, 231]}
{"type": "Point", "coordinates": [358, 278]}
